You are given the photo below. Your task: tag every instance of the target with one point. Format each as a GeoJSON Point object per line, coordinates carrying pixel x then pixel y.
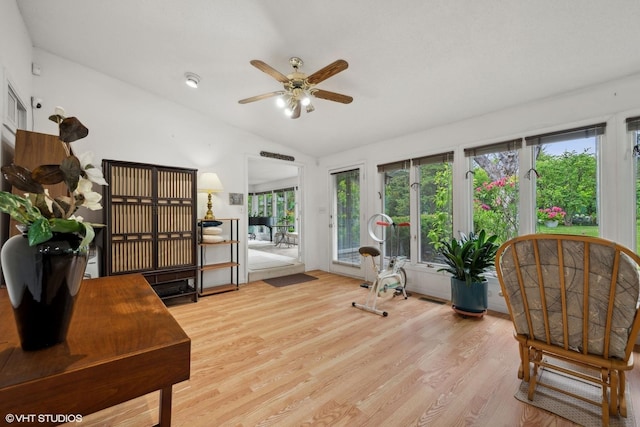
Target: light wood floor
{"type": "Point", "coordinates": [302, 355]}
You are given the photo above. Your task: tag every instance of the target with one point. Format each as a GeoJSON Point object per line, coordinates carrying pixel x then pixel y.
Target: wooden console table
{"type": "Point", "coordinates": [122, 343]}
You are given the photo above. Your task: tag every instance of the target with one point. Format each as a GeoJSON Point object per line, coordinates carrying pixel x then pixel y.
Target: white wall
{"type": "Point", "coordinates": [610, 102]}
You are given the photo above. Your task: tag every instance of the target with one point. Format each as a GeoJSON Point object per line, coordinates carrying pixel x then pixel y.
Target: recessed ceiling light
{"type": "Point", "coordinates": [192, 80]}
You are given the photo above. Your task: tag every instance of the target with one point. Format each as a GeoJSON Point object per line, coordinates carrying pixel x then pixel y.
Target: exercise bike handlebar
{"type": "Point", "coordinates": [386, 224]}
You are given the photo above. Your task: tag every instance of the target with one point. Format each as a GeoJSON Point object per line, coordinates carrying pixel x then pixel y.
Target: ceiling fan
{"type": "Point", "coordinates": [299, 88]}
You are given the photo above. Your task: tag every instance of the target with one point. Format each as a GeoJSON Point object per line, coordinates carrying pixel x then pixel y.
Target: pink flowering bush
{"type": "Point", "coordinates": [495, 207]}
{"type": "Point", "coordinates": [551, 214]}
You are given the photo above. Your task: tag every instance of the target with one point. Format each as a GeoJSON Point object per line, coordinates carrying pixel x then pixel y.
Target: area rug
{"type": "Point", "coordinates": [291, 279]}
{"type": "Point", "coordinates": [572, 409]}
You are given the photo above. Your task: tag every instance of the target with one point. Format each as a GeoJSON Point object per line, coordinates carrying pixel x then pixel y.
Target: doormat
{"type": "Point", "coordinates": [291, 279]}
{"type": "Point", "coordinates": [570, 408]}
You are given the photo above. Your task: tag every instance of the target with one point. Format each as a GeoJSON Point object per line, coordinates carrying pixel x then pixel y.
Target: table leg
{"type": "Point", "coordinates": [165, 407]}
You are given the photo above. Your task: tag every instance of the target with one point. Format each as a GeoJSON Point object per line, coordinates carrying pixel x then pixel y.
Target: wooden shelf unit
{"type": "Point", "coordinates": [230, 263]}
{"type": "Point", "coordinates": [150, 215]}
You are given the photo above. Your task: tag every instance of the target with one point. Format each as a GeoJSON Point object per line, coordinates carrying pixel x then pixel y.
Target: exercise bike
{"type": "Point", "coordinates": [394, 276]}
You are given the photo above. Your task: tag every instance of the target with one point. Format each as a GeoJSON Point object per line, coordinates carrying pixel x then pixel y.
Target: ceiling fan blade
{"type": "Point", "coordinates": [332, 96]}
{"type": "Point", "coordinates": [269, 70]}
{"type": "Point", "coordinates": [328, 71]}
{"type": "Point", "coordinates": [296, 110]}
{"type": "Point", "coordinates": [260, 97]}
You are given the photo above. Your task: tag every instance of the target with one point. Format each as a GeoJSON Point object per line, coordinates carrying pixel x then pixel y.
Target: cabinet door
{"type": "Point", "coordinates": [130, 227]}
{"type": "Point", "coordinates": [176, 218]}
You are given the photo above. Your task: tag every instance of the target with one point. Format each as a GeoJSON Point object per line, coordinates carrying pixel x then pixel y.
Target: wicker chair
{"type": "Point", "coordinates": [584, 325]}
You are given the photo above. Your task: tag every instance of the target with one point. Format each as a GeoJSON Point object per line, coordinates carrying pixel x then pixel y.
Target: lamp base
{"type": "Point", "coordinates": [209, 214]}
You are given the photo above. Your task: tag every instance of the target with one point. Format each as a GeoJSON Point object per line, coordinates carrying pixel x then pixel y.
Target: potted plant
{"type": "Point", "coordinates": [467, 259]}
{"type": "Point", "coordinates": [44, 267]}
{"type": "Point", "coordinates": [551, 216]}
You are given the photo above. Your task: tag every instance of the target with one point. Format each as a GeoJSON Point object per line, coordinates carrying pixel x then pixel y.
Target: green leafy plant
{"type": "Point", "coordinates": [469, 257]}
{"type": "Point", "coordinates": [39, 213]}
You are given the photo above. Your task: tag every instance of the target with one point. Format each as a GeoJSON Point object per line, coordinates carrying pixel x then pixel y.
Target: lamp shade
{"type": "Point", "coordinates": [209, 183]}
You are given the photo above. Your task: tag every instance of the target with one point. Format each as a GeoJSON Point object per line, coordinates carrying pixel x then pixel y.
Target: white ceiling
{"type": "Point", "coordinates": [413, 64]}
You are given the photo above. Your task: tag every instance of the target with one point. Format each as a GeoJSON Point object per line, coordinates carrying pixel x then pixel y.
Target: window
{"type": "Point", "coordinates": [434, 185]}
{"type": "Point", "coordinates": [431, 210]}
{"type": "Point", "coordinates": [290, 208]}
{"type": "Point", "coordinates": [494, 169]}
{"type": "Point", "coordinates": [567, 180]}
{"type": "Point", "coordinates": [252, 204]}
{"type": "Point", "coordinates": [16, 111]}
{"type": "Point", "coordinates": [347, 217]}
{"type": "Point", "coordinates": [259, 204]}
{"type": "Point", "coordinates": [267, 204]}
{"type": "Point", "coordinates": [285, 206]}
{"type": "Point", "coordinates": [397, 204]}
{"type": "Point", "coordinates": [633, 129]}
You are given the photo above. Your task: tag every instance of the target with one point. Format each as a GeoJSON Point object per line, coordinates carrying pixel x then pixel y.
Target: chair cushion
{"type": "Point", "coordinates": [212, 239]}
{"type": "Point", "coordinates": [601, 259]}
{"type": "Point", "coordinates": [211, 230]}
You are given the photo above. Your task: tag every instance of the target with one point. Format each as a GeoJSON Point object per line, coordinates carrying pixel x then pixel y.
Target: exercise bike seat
{"type": "Point", "coordinates": [369, 251]}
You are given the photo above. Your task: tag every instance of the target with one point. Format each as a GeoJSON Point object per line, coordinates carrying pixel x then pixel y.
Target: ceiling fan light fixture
{"type": "Point", "coordinates": [299, 88]}
{"type": "Point", "coordinates": [192, 80]}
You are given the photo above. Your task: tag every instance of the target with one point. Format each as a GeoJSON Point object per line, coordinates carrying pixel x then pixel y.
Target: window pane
{"type": "Point", "coordinates": [435, 209]}
{"type": "Point", "coordinates": [347, 238]}
{"type": "Point", "coordinates": [290, 206]}
{"type": "Point", "coordinates": [250, 205]}
{"type": "Point", "coordinates": [567, 187]}
{"type": "Point", "coordinates": [397, 206]}
{"type": "Point", "coordinates": [280, 210]}
{"type": "Point", "coordinates": [267, 209]}
{"type": "Point", "coordinates": [496, 194]}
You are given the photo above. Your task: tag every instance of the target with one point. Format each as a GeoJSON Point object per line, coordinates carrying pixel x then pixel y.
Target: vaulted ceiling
{"type": "Point", "coordinates": [413, 64]}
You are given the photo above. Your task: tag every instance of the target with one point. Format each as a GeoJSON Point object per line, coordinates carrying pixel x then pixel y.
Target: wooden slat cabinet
{"type": "Point", "coordinates": [150, 213]}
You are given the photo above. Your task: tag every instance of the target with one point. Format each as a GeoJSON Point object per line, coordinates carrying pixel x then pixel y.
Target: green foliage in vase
{"type": "Point", "coordinates": [43, 215]}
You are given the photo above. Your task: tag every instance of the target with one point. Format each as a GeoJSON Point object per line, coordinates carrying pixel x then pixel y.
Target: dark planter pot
{"type": "Point", "coordinates": [43, 282]}
{"type": "Point", "coordinates": [469, 299]}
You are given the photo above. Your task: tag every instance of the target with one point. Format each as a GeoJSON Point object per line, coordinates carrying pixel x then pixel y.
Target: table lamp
{"type": "Point", "coordinates": [209, 183]}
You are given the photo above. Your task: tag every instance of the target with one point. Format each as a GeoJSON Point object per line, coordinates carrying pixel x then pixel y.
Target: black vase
{"type": "Point", "coordinates": [43, 282]}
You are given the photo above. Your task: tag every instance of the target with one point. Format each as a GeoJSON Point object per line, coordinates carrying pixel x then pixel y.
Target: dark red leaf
{"type": "Point", "coordinates": [71, 170]}
{"type": "Point", "coordinates": [47, 174]}
{"type": "Point", "coordinates": [71, 130]}
{"type": "Point", "coordinates": [20, 178]}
